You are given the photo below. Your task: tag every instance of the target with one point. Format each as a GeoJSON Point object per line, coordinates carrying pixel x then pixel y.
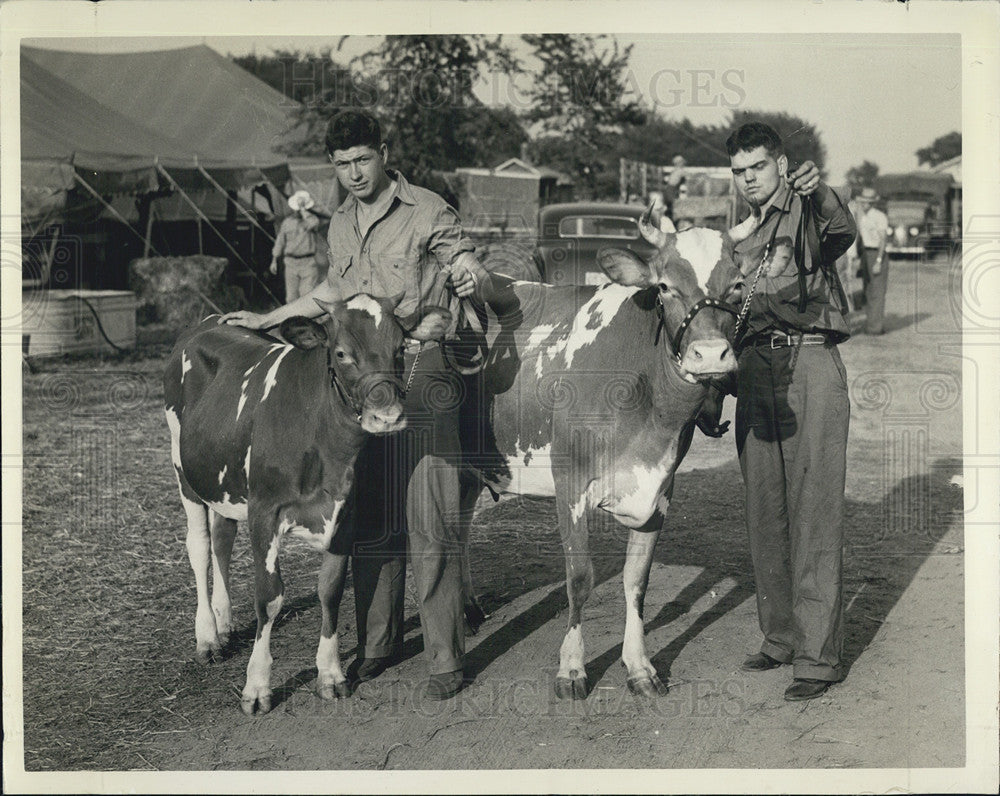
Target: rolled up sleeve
{"type": "Point", "coordinates": [447, 240]}
{"type": "Point", "coordinates": [834, 222]}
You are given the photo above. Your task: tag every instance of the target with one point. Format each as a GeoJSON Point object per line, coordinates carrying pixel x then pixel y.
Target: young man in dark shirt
{"type": "Point", "coordinates": [792, 409]}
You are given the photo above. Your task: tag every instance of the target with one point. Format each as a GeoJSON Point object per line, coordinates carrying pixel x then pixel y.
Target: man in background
{"type": "Point", "coordinates": [873, 234]}
{"type": "Point", "coordinates": [295, 247]}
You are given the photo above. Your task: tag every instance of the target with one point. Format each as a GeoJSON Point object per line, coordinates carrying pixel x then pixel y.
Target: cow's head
{"type": "Point", "coordinates": [364, 341]}
{"type": "Point", "coordinates": [696, 283]}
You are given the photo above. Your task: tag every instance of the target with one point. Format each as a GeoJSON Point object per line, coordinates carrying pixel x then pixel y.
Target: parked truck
{"type": "Point", "coordinates": [924, 209]}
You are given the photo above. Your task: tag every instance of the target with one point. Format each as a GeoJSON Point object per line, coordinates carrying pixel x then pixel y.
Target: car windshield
{"type": "Point", "coordinates": [617, 227]}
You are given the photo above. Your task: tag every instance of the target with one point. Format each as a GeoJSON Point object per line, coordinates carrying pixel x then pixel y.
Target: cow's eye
{"type": "Point", "coordinates": [735, 292]}
{"type": "Point", "coordinates": [343, 356]}
{"type": "Point", "coordinates": [667, 290]}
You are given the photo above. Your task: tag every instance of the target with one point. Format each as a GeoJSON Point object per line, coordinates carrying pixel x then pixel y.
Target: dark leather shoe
{"type": "Point", "coordinates": [804, 688]}
{"type": "Point", "coordinates": [760, 662]}
{"type": "Point", "coordinates": [370, 668]}
{"type": "Point", "coordinates": [444, 686]}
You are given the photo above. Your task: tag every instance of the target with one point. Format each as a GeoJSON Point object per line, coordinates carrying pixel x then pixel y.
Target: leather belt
{"type": "Point", "coordinates": [775, 340]}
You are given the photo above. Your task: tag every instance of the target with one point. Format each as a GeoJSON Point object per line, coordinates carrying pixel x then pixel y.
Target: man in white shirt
{"type": "Point", "coordinates": [873, 234]}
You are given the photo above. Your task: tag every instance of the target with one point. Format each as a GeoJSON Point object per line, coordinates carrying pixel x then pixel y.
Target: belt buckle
{"type": "Point", "coordinates": [775, 338]}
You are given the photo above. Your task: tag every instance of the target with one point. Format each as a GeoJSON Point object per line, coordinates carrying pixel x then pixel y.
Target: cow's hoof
{"type": "Point", "coordinates": [209, 653]}
{"type": "Point", "coordinates": [474, 617]}
{"type": "Point", "coordinates": [572, 687]}
{"type": "Point", "coordinates": [646, 685]}
{"type": "Point", "coordinates": [256, 703]}
{"type": "Point", "coordinates": [335, 690]}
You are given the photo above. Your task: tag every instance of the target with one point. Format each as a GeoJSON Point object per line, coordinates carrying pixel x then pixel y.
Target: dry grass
{"type": "Point", "coordinates": [109, 596]}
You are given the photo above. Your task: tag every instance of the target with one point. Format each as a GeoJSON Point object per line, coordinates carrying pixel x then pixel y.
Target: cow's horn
{"type": "Point", "coordinates": [649, 231]}
{"type": "Point", "coordinates": [746, 228]}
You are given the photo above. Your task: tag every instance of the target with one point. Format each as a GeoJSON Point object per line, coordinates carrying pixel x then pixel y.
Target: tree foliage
{"type": "Point", "coordinates": [943, 148]}
{"type": "Point", "coordinates": [581, 99]}
{"type": "Point", "coordinates": [862, 176]}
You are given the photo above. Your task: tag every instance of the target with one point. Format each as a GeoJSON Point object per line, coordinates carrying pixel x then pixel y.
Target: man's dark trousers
{"type": "Point", "coordinates": [406, 484]}
{"type": "Point", "coordinates": [792, 418]}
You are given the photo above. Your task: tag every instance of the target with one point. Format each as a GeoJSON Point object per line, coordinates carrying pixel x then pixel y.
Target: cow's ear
{"type": "Point", "coordinates": [625, 268]}
{"type": "Point", "coordinates": [303, 332]}
{"type": "Point", "coordinates": [335, 309]}
{"type": "Point", "coordinates": [429, 323]}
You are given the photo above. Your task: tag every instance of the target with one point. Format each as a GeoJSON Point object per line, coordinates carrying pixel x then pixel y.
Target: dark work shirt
{"type": "Point", "coordinates": [774, 306]}
{"type": "Point", "coordinates": [407, 249]}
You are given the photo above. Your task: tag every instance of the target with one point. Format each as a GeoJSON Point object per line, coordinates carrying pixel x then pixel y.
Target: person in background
{"type": "Point", "coordinates": [792, 408]}
{"type": "Point", "coordinates": [391, 239]}
{"type": "Point", "coordinates": [873, 234]}
{"type": "Point", "coordinates": [295, 246]}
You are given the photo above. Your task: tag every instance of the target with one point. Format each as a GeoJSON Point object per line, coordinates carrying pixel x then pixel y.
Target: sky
{"type": "Point", "coordinates": [872, 97]}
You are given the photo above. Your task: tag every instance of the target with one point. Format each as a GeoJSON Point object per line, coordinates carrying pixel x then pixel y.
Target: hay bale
{"type": "Point", "coordinates": [173, 290]}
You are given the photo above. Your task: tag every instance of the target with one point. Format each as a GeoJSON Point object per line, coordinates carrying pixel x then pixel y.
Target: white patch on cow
{"type": "Point", "coordinates": [578, 509]}
{"type": "Point", "coordinates": [330, 526]}
{"type": "Point", "coordinates": [571, 653]}
{"type": "Point", "coordinates": [185, 365]}
{"type": "Point", "coordinates": [530, 472]}
{"type": "Point", "coordinates": [259, 669]}
{"type": "Point", "coordinates": [174, 424]}
{"type": "Point", "coordinates": [703, 249]}
{"type": "Point", "coordinates": [603, 307]}
{"type": "Point", "coordinates": [243, 393]}
{"type": "Point", "coordinates": [536, 337]}
{"type": "Point", "coordinates": [272, 375]}
{"type": "Point", "coordinates": [222, 475]}
{"type": "Point", "coordinates": [246, 467]}
{"type": "Point", "coordinates": [634, 508]}
{"type": "Point", "coordinates": [228, 508]}
{"type": "Point", "coordinates": [367, 304]}
{"type": "Point", "coordinates": [328, 661]}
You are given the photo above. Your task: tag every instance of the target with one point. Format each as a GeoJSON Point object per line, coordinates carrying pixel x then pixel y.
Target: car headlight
{"type": "Point", "coordinates": [890, 230]}
{"type": "Point", "coordinates": [914, 231]}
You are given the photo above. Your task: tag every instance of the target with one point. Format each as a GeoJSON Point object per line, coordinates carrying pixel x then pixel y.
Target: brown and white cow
{"type": "Point", "coordinates": [590, 395]}
{"type": "Point", "coordinates": [267, 432]}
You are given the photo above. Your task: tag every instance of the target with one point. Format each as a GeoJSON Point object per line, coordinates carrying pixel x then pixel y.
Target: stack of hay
{"type": "Point", "coordinates": [180, 291]}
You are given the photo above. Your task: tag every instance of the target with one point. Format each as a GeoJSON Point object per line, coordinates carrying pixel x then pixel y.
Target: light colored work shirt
{"type": "Point", "coordinates": [873, 228]}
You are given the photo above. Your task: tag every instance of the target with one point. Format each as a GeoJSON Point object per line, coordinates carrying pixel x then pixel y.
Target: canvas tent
{"type": "Point", "coordinates": [175, 134]}
{"type": "Point", "coordinates": [120, 116]}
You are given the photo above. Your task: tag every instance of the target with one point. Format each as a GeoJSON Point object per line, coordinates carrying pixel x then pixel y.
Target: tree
{"type": "Point", "coordinates": [421, 90]}
{"type": "Point", "coordinates": [862, 176]}
{"type": "Point", "coordinates": [659, 140]}
{"type": "Point", "coordinates": [943, 148]}
{"type": "Point", "coordinates": [425, 99]}
{"type": "Point", "coordinates": [581, 101]}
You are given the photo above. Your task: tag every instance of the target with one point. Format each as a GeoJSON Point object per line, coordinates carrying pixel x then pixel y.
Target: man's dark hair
{"type": "Point", "coordinates": [752, 135]}
{"type": "Point", "coordinates": [353, 128]}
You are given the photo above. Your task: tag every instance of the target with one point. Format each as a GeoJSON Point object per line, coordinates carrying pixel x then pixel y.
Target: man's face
{"type": "Point", "coordinates": [757, 174]}
{"type": "Point", "coordinates": [361, 170]}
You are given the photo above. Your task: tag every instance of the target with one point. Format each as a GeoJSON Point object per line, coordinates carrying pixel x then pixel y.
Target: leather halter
{"type": "Point", "coordinates": [369, 381]}
{"type": "Point", "coordinates": [689, 317]}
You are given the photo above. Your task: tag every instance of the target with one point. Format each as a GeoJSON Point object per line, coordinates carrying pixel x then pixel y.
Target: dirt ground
{"type": "Point", "coordinates": [110, 682]}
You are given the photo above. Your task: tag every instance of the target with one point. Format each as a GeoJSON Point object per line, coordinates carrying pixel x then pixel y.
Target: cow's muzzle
{"type": "Point", "coordinates": [382, 405]}
{"type": "Point", "coordinates": [705, 359]}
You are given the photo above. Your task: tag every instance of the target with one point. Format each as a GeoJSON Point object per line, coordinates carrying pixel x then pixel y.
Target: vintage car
{"type": "Point", "coordinates": [571, 234]}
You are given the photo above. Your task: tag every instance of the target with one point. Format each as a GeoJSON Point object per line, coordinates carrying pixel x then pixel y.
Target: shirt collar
{"type": "Point", "coordinates": [778, 198]}
{"type": "Point", "coordinates": [401, 190]}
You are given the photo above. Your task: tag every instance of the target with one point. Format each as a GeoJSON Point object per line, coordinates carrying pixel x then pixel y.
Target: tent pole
{"type": "Point", "coordinates": [147, 245]}
{"type": "Point", "coordinates": [233, 202]}
{"type": "Point", "coordinates": [201, 215]}
{"type": "Point", "coordinates": [107, 206]}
